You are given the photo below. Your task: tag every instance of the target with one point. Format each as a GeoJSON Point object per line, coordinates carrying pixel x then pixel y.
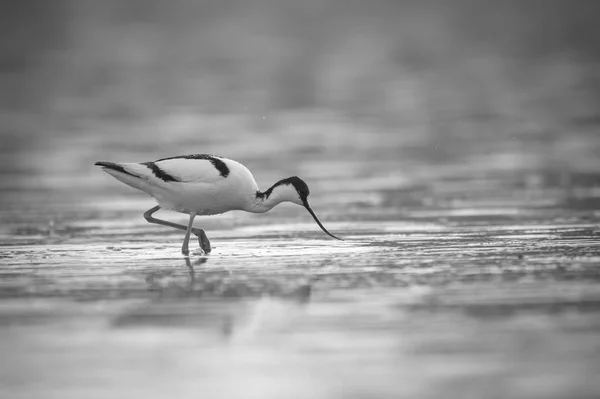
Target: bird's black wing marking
{"type": "Point", "coordinates": [158, 172]}
{"type": "Point", "coordinates": [216, 161]}
{"type": "Point", "coordinates": [114, 166]}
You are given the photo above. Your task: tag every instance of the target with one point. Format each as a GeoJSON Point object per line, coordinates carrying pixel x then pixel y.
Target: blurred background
{"type": "Point", "coordinates": [127, 80]}
{"type": "Point", "coordinates": [391, 61]}
{"type": "Point", "coordinates": [440, 67]}
{"type": "Point", "coordinates": [454, 143]}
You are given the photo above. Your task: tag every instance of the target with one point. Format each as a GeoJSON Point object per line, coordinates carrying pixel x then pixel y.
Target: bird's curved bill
{"type": "Point", "coordinates": [319, 222]}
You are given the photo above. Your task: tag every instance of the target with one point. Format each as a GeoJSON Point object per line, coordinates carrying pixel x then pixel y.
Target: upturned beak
{"type": "Point", "coordinates": [308, 208]}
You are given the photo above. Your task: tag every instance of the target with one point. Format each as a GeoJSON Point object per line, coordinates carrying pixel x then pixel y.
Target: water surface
{"type": "Point", "coordinates": [469, 269]}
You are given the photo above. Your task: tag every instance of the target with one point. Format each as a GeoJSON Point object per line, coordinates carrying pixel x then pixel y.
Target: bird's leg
{"type": "Point", "coordinates": [184, 247]}
{"type": "Point", "coordinates": [202, 238]}
{"type": "Point", "coordinates": [148, 216]}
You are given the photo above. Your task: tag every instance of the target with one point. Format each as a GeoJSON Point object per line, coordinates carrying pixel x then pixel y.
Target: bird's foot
{"type": "Point", "coordinates": [206, 247]}
{"type": "Point", "coordinates": [202, 240]}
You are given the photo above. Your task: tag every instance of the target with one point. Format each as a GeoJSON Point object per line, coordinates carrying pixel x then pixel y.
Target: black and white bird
{"type": "Point", "coordinates": [202, 184]}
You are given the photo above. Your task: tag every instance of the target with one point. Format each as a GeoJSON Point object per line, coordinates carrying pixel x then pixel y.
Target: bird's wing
{"type": "Point", "coordinates": [186, 170]}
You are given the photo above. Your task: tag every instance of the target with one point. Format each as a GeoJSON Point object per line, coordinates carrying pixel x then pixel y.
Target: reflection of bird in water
{"type": "Point", "coordinates": [168, 282]}
{"type": "Point", "coordinates": [239, 308]}
{"type": "Point", "coordinates": [190, 267]}
{"type": "Point", "coordinates": [205, 185]}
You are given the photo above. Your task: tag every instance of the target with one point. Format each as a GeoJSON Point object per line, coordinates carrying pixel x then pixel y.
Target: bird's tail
{"type": "Point", "coordinates": [116, 167]}
{"type": "Point", "coordinates": [132, 174]}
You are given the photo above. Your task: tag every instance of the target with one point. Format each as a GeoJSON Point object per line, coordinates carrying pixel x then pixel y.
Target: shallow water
{"type": "Point", "coordinates": [467, 271]}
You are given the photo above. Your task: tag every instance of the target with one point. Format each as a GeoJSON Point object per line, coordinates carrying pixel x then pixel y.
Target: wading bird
{"type": "Point", "coordinates": [203, 184]}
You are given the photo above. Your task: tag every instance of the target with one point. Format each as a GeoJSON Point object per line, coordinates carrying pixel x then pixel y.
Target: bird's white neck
{"type": "Point", "coordinates": [265, 201]}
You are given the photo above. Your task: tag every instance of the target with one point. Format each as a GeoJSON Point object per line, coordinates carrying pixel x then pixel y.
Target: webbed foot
{"type": "Point", "coordinates": [203, 240]}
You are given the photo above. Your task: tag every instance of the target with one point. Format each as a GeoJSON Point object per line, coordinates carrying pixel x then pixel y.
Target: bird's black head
{"type": "Point", "coordinates": [300, 186]}
{"type": "Point", "coordinates": [302, 191]}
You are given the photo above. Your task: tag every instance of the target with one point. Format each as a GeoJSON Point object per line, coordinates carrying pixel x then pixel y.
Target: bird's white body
{"type": "Point", "coordinates": [203, 184]}
{"type": "Point", "coordinates": [200, 188]}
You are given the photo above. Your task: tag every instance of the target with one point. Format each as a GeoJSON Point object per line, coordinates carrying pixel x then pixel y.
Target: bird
{"type": "Point", "coordinates": [203, 184]}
